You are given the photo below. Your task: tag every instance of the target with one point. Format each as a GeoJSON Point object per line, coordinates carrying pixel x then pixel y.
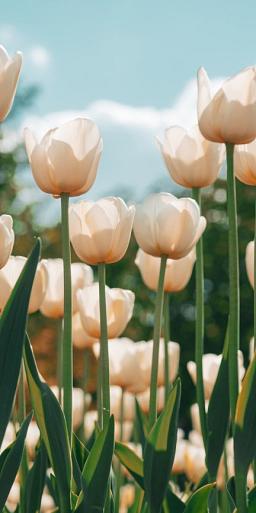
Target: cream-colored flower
{"type": "Point", "coordinates": [9, 74]}
{"type": "Point", "coordinates": [9, 275]}
{"type": "Point", "coordinates": [177, 273]}
{"type": "Point", "coordinates": [191, 160]}
{"type": "Point", "coordinates": [6, 237]}
{"type": "Point", "coordinates": [166, 225]}
{"type": "Point", "coordinates": [249, 262]}
{"type": "Point", "coordinates": [81, 339]}
{"type": "Point", "coordinates": [211, 365]}
{"type": "Point", "coordinates": [245, 163]}
{"type": "Point", "coordinates": [127, 497]}
{"type": "Point", "coordinates": [67, 157]}
{"type": "Point", "coordinates": [91, 418]}
{"type": "Point", "coordinates": [195, 466]}
{"type": "Point", "coordinates": [143, 399]}
{"type": "Point", "coordinates": [119, 304]}
{"type": "Point", "coordinates": [100, 231]}
{"type": "Point", "coordinates": [116, 399]}
{"type": "Point", "coordinates": [230, 115]}
{"type": "Point", "coordinates": [130, 363]}
{"type": "Point", "coordinates": [53, 304]}
{"type": "Point", "coordinates": [195, 417]}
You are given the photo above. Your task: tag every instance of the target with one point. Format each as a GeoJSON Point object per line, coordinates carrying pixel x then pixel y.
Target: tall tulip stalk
{"type": "Point", "coordinates": [104, 360]}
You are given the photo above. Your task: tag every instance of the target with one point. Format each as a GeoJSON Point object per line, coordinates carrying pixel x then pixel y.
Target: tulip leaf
{"type": "Point", "coordinates": [172, 503]}
{"type": "Point", "coordinates": [218, 416]}
{"type": "Point", "coordinates": [12, 332]}
{"type": "Point", "coordinates": [198, 502]}
{"type": "Point", "coordinates": [52, 425]}
{"type": "Point", "coordinates": [35, 481]}
{"type": "Point", "coordinates": [230, 487]}
{"type": "Point", "coordinates": [245, 421]}
{"type": "Point", "coordinates": [160, 450]}
{"type": "Point", "coordinates": [136, 506]}
{"type": "Point", "coordinates": [10, 462]}
{"type": "Point", "coordinates": [131, 462]}
{"type": "Point", "coordinates": [141, 424]}
{"type": "Point", "coordinates": [252, 500]}
{"type": "Point", "coordinates": [96, 471]}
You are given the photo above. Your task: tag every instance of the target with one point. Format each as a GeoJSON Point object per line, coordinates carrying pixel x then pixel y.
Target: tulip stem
{"type": "Point", "coordinates": [21, 416]}
{"type": "Point", "coordinates": [241, 495]}
{"type": "Point", "coordinates": [104, 359]}
{"type": "Point", "coordinates": [67, 368]}
{"type": "Point", "coordinates": [234, 307]}
{"type": "Point", "coordinates": [254, 288]}
{"type": "Point", "coordinates": [60, 360]}
{"type": "Point", "coordinates": [119, 476]}
{"type": "Point", "coordinates": [166, 341]}
{"type": "Point", "coordinates": [199, 339]}
{"type": "Point", "coordinates": [156, 342]}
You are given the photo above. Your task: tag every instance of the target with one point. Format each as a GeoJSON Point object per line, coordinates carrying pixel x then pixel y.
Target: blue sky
{"type": "Point", "coordinates": [139, 57]}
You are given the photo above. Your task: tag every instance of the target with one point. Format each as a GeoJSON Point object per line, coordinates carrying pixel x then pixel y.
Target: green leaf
{"type": "Point", "coordinates": [35, 481]}
{"type": "Point", "coordinates": [198, 502]}
{"type": "Point", "coordinates": [230, 487]}
{"type": "Point", "coordinates": [141, 424]}
{"type": "Point", "coordinates": [138, 500]}
{"type": "Point", "coordinates": [11, 459]}
{"type": "Point", "coordinates": [252, 500]}
{"type": "Point", "coordinates": [218, 416]}
{"type": "Point", "coordinates": [12, 332]}
{"type": "Point", "coordinates": [172, 503]}
{"type": "Point", "coordinates": [131, 462]}
{"type": "Point", "coordinates": [79, 457]}
{"type": "Point", "coordinates": [160, 450]}
{"type": "Point", "coordinates": [52, 425]}
{"type": "Point", "coordinates": [97, 470]}
{"type": "Point", "coordinates": [245, 421]}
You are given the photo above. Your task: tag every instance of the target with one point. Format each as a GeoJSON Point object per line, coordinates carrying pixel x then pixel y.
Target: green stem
{"type": "Point", "coordinates": [199, 341]}
{"type": "Point", "coordinates": [60, 360]}
{"type": "Point", "coordinates": [241, 495]}
{"type": "Point", "coordinates": [21, 416]}
{"type": "Point", "coordinates": [156, 342]}
{"type": "Point", "coordinates": [166, 341]}
{"type": "Point", "coordinates": [234, 307]}
{"type": "Point", "coordinates": [67, 368]}
{"type": "Point", "coordinates": [119, 477]}
{"type": "Point", "coordinates": [104, 360]}
{"type": "Point", "coordinates": [254, 288]}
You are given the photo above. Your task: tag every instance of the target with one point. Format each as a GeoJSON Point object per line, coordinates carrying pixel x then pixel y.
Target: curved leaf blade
{"type": "Point", "coordinates": [131, 462]}
{"type": "Point", "coordinates": [198, 502]}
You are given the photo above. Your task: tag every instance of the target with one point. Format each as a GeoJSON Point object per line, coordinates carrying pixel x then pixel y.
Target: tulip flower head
{"type": "Point", "coordinates": [67, 157]}
{"type": "Point", "coordinates": [167, 226]}
{"type": "Point", "coordinates": [6, 238]}
{"type": "Point", "coordinates": [211, 364]}
{"type": "Point", "coordinates": [177, 273]}
{"type": "Point", "coordinates": [119, 305]}
{"type": "Point", "coordinates": [53, 304]}
{"type": "Point", "coordinates": [81, 339]}
{"type": "Point", "coordinates": [245, 163]}
{"type": "Point", "coordinates": [9, 275]}
{"type": "Point", "coordinates": [191, 160]}
{"type": "Point", "coordinates": [100, 231]}
{"type": "Point", "coordinates": [230, 115]}
{"type": "Point", "coordinates": [9, 74]}
{"type": "Point", "coordinates": [249, 262]}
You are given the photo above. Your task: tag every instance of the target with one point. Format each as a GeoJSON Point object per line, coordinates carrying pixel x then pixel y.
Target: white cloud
{"type": "Point", "coordinates": [39, 56]}
{"type": "Point", "coordinates": [8, 34]}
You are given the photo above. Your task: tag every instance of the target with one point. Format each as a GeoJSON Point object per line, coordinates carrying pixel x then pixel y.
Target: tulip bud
{"type": "Point", "coordinates": [6, 238]}
{"type": "Point", "coordinates": [211, 365]}
{"type": "Point", "coordinates": [230, 115]}
{"type": "Point", "coordinates": [119, 304]}
{"type": "Point", "coordinates": [100, 231]}
{"type": "Point", "coordinates": [177, 273]}
{"type": "Point", "coordinates": [166, 225]}
{"type": "Point", "coordinates": [91, 418]}
{"type": "Point", "coordinates": [249, 262]}
{"type": "Point", "coordinates": [195, 463]}
{"type": "Point", "coordinates": [67, 157]}
{"type": "Point", "coordinates": [9, 74]}
{"type": "Point", "coordinates": [9, 275]}
{"type": "Point", "coordinates": [81, 339]}
{"type": "Point", "coordinates": [115, 404]}
{"type": "Point", "coordinates": [191, 160]}
{"type": "Point", "coordinates": [143, 399]}
{"type": "Point", "coordinates": [245, 163]}
{"type": "Point", "coordinates": [53, 304]}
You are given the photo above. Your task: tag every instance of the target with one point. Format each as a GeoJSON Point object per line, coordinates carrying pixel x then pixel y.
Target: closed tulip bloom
{"type": "Point", "coordinates": [143, 399]}
{"type": "Point", "coordinates": [177, 273]}
{"type": "Point", "coordinates": [119, 305]}
{"type": "Point", "coordinates": [167, 226]}
{"type": "Point", "coordinates": [10, 273]}
{"type": "Point", "coordinates": [67, 157]}
{"type": "Point", "coordinates": [81, 339]}
{"type": "Point", "coordinates": [100, 231]}
{"type": "Point", "coordinates": [211, 365]}
{"type": "Point", "coordinates": [230, 115]}
{"type": "Point", "coordinates": [245, 163]}
{"type": "Point", "coordinates": [6, 238]}
{"type": "Point", "coordinates": [9, 74]}
{"type": "Point", "coordinates": [53, 304]}
{"type": "Point", "coordinates": [191, 160]}
{"type": "Point", "coordinates": [249, 262]}
{"type": "Point", "coordinates": [115, 404]}
{"type": "Point", "coordinates": [91, 418]}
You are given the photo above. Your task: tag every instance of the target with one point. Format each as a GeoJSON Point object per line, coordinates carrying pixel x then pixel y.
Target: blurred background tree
{"type": "Point", "coordinates": [44, 332]}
